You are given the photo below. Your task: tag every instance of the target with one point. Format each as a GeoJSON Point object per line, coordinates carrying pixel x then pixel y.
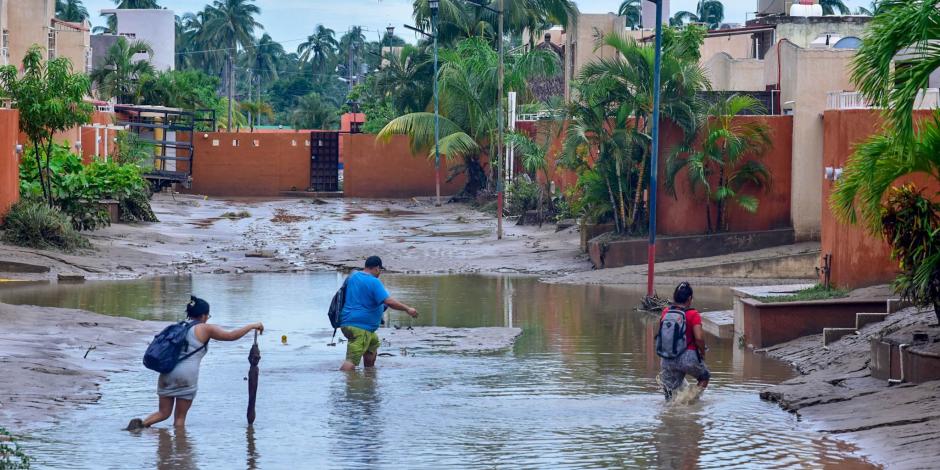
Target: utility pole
{"type": "Point", "coordinates": [501, 168]}
{"type": "Point", "coordinates": [654, 158]}
{"type": "Point", "coordinates": [231, 78]}
{"type": "Point", "coordinates": [437, 111]}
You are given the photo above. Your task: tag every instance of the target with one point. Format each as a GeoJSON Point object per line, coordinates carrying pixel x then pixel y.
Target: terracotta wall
{"type": "Point", "coordinates": [374, 169]}
{"type": "Point", "coordinates": [684, 213]}
{"type": "Point", "coordinates": [858, 258]}
{"type": "Point", "coordinates": [9, 162]}
{"type": "Point", "coordinates": [242, 164]}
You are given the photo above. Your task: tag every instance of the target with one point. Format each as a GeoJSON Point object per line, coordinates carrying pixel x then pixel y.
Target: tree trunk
{"type": "Point", "coordinates": [613, 205]}
{"type": "Point", "coordinates": [49, 172]}
{"type": "Point", "coordinates": [708, 215]}
{"type": "Point", "coordinates": [720, 216]}
{"type": "Point", "coordinates": [622, 204]}
{"type": "Point", "coordinates": [39, 170]}
{"type": "Point", "coordinates": [476, 177]}
{"type": "Point", "coordinates": [936, 310]}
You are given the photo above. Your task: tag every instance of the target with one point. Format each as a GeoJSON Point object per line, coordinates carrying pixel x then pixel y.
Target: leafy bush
{"type": "Point", "coordinates": [911, 225]}
{"type": "Point", "coordinates": [77, 189]}
{"type": "Point", "coordinates": [11, 456]}
{"type": "Point", "coordinates": [524, 195]}
{"type": "Point", "coordinates": [32, 223]}
{"type": "Point", "coordinates": [131, 150]}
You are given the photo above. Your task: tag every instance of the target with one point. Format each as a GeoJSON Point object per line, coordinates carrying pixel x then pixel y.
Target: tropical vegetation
{"type": "Point", "coordinates": [892, 67]}
{"type": "Point", "coordinates": [709, 12]}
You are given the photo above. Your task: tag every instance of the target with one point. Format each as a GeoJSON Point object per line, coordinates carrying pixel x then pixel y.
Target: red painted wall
{"type": "Point", "coordinates": [244, 164]}
{"type": "Point", "coordinates": [375, 169]}
{"type": "Point", "coordinates": [684, 212]}
{"type": "Point", "coordinates": [9, 161]}
{"type": "Point", "coordinates": [859, 258]}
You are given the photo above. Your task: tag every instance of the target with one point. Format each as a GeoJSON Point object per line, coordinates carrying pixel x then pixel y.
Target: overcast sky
{"type": "Point", "coordinates": [290, 21]}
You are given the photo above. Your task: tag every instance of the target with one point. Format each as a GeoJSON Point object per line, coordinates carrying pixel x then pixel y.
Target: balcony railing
{"type": "Point", "coordinates": [927, 99]}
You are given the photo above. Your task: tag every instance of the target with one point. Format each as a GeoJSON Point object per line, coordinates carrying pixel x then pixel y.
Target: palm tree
{"type": "Point", "coordinates": [468, 94]}
{"type": "Point", "coordinates": [830, 7]}
{"type": "Point", "coordinates": [119, 75]}
{"type": "Point", "coordinates": [459, 19]}
{"type": "Point", "coordinates": [231, 24]}
{"type": "Point", "coordinates": [718, 165]}
{"type": "Point", "coordinates": [632, 11]}
{"type": "Point", "coordinates": [405, 79]}
{"type": "Point", "coordinates": [256, 109]}
{"type": "Point", "coordinates": [892, 66]}
{"type": "Point", "coordinates": [266, 57]}
{"type": "Point", "coordinates": [312, 112]}
{"type": "Point", "coordinates": [618, 101]}
{"type": "Point", "coordinates": [352, 46]}
{"type": "Point", "coordinates": [319, 48]}
{"type": "Point", "coordinates": [709, 12]}
{"type": "Point", "coordinates": [71, 10]}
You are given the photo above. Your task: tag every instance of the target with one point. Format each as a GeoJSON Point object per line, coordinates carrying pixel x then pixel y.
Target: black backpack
{"type": "Point", "coordinates": [670, 339]}
{"type": "Point", "coordinates": [336, 307]}
{"type": "Point", "coordinates": [164, 351]}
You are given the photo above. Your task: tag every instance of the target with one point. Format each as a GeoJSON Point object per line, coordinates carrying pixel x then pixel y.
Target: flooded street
{"type": "Point", "coordinates": [577, 390]}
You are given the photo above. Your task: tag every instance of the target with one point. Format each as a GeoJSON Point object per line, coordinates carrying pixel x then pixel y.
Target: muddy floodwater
{"type": "Point", "coordinates": [577, 390]}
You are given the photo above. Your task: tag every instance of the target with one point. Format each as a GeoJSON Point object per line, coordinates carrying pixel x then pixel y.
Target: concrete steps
{"type": "Point", "coordinates": [720, 323]}
{"type": "Point", "coordinates": [862, 319]}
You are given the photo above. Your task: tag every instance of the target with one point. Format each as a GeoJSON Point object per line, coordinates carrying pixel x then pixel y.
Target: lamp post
{"type": "Point", "coordinates": [500, 169]}
{"type": "Point", "coordinates": [654, 157]}
{"type": "Point", "coordinates": [435, 4]}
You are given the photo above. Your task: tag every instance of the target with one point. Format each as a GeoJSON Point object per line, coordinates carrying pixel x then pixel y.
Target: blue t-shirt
{"type": "Point", "coordinates": [365, 297]}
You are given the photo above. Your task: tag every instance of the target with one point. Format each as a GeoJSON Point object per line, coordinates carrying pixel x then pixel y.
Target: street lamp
{"type": "Point", "coordinates": [654, 157]}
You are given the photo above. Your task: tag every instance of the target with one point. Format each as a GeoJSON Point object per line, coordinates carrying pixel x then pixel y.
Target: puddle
{"type": "Point", "coordinates": [578, 389]}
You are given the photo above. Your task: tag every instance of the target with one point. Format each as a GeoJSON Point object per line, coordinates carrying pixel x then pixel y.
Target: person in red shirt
{"type": "Point", "coordinates": [692, 361]}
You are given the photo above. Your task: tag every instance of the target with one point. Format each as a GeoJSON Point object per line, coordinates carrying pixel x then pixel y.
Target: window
{"type": "Point", "coordinates": [52, 54]}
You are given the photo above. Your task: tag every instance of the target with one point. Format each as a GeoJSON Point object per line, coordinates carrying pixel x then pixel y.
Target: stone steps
{"type": "Point", "coordinates": [863, 319]}
{"type": "Point", "coordinates": [831, 335]}
{"type": "Point", "coordinates": [720, 323]}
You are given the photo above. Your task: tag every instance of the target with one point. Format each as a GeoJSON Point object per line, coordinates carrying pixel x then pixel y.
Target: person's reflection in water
{"type": "Point", "coordinates": [252, 453]}
{"type": "Point", "coordinates": [355, 421]}
{"type": "Point", "coordinates": [174, 450]}
{"type": "Point", "coordinates": [678, 437]}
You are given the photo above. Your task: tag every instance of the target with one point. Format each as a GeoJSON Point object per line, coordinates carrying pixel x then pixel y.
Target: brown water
{"type": "Point", "coordinates": [577, 390]}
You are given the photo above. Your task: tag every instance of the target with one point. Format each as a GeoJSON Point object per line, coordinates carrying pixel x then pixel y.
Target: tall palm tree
{"type": "Point", "coordinates": [319, 48]}
{"type": "Point", "coordinates": [709, 12]}
{"type": "Point", "coordinates": [119, 75]}
{"type": "Point", "coordinates": [468, 111]}
{"type": "Point", "coordinates": [892, 66]}
{"type": "Point", "coordinates": [71, 10]}
{"type": "Point", "coordinates": [266, 57]}
{"type": "Point", "coordinates": [231, 24]}
{"type": "Point", "coordinates": [718, 164]}
{"type": "Point", "coordinates": [632, 11]}
{"type": "Point", "coordinates": [407, 79]}
{"type": "Point", "coordinates": [830, 7]}
{"type": "Point", "coordinates": [352, 46]}
{"type": "Point", "coordinates": [459, 19]}
{"type": "Point", "coordinates": [312, 112]}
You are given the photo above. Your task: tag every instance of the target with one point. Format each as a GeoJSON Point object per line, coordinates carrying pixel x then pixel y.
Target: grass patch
{"type": "Point", "coordinates": [817, 292]}
{"type": "Point", "coordinates": [11, 455]}
{"type": "Point", "coordinates": [236, 215]}
{"type": "Point", "coordinates": [33, 224]}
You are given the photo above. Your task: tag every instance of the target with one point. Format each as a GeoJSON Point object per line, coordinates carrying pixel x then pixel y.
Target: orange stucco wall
{"type": "Point", "coordinates": [684, 212]}
{"type": "Point", "coordinates": [9, 162]}
{"type": "Point", "coordinates": [858, 258]}
{"type": "Point", "coordinates": [374, 169]}
{"type": "Point", "coordinates": [243, 164]}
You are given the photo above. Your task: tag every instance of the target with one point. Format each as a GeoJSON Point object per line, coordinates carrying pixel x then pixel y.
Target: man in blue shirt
{"type": "Point", "coordinates": [364, 305]}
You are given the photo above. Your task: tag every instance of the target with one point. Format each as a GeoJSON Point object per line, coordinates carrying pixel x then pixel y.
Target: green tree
{"type": "Point", "coordinates": [460, 19]}
{"type": "Point", "coordinates": [632, 11]}
{"type": "Point", "coordinates": [312, 112]}
{"type": "Point", "coordinates": [256, 109]}
{"type": "Point", "coordinates": [266, 57]}
{"type": "Point", "coordinates": [187, 89]}
{"type": "Point", "coordinates": [468, 105]}
{"type": "Point", "coordinates": [891, 68]}
{"type": "Point", "coordinates": [407, 79]}
{"type": "Point", "coordinates": [319, 49]}
{"type": "Point", "coordinates": [709, 12]}
{"type": "Point", "coordinates": [119, 75]}
{"type": "Point", "coordinates": [830, 7]}
{"type": "Point", "coordinates": [231, 24]}
{"type": "Point", "coordinates": [50, 99]}
{"type": "Point", "coordinates": [719, 165]}
{"type": "Point", "coordinates": [71, 10]}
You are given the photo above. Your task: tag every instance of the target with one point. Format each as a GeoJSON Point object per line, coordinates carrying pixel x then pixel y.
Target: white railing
{"type": "Point", "coordinates": [927, 99]}
{"type": "Point", "coordinates": [530, 117]}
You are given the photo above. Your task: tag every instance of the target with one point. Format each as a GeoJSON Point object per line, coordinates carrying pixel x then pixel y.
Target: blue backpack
{"type": "Point", "coordinates": [164, 351]}
{"type": "Point", "coordinates": [670, 339]}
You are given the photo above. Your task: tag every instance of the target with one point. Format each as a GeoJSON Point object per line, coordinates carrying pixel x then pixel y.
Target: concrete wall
{"type": "Point", "coordinates": [73, 41]}
{"type": "Point", "coordinates": [156, 27]}
{"type": "Point", "coordinates": [580, 40]}
{"type": "Point", "coordinates": [9, 161]}
{"type": "Point", "coordinates": [649, 14]}
{"type": "Point", "coordinates": [684, 214]}
{"type": "Point", "coordinates": [29, 22]}
{"type": "Point", "coordinates": [259, 164]}
{"type": "Point", "coordinates": [859, 258]}
{"type": "Point", "coordinates": [803, 31]}
{"type": "Point", "coordinates": [4, 26]}
{"type": "Point", "coordinates": [807, 76]}
{"type": "Point", "coordinates": [374, 169]}
{"type": "Point", "coordinates": [738, 46]}
{"type": "Point", "coordinates": [729, 74]}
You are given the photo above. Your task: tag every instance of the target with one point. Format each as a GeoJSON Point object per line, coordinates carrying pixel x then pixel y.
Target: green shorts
{"type": "Point", "coordinates": [360, 342]}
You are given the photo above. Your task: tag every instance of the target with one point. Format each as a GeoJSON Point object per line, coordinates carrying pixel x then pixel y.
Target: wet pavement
{"type": "Point", "coordinates": [577, 390]}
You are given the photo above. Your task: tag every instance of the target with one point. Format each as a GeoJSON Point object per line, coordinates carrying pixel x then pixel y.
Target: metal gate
{"type": "Point", "coordinates": [324, 161]}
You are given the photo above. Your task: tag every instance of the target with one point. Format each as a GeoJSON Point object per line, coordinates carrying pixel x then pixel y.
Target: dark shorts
{"type": "Point", "coordinates": [674, 370]}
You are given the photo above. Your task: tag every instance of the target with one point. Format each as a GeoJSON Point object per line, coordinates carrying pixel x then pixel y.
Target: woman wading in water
{"type": "Point", "coordinates": [177, 389]}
